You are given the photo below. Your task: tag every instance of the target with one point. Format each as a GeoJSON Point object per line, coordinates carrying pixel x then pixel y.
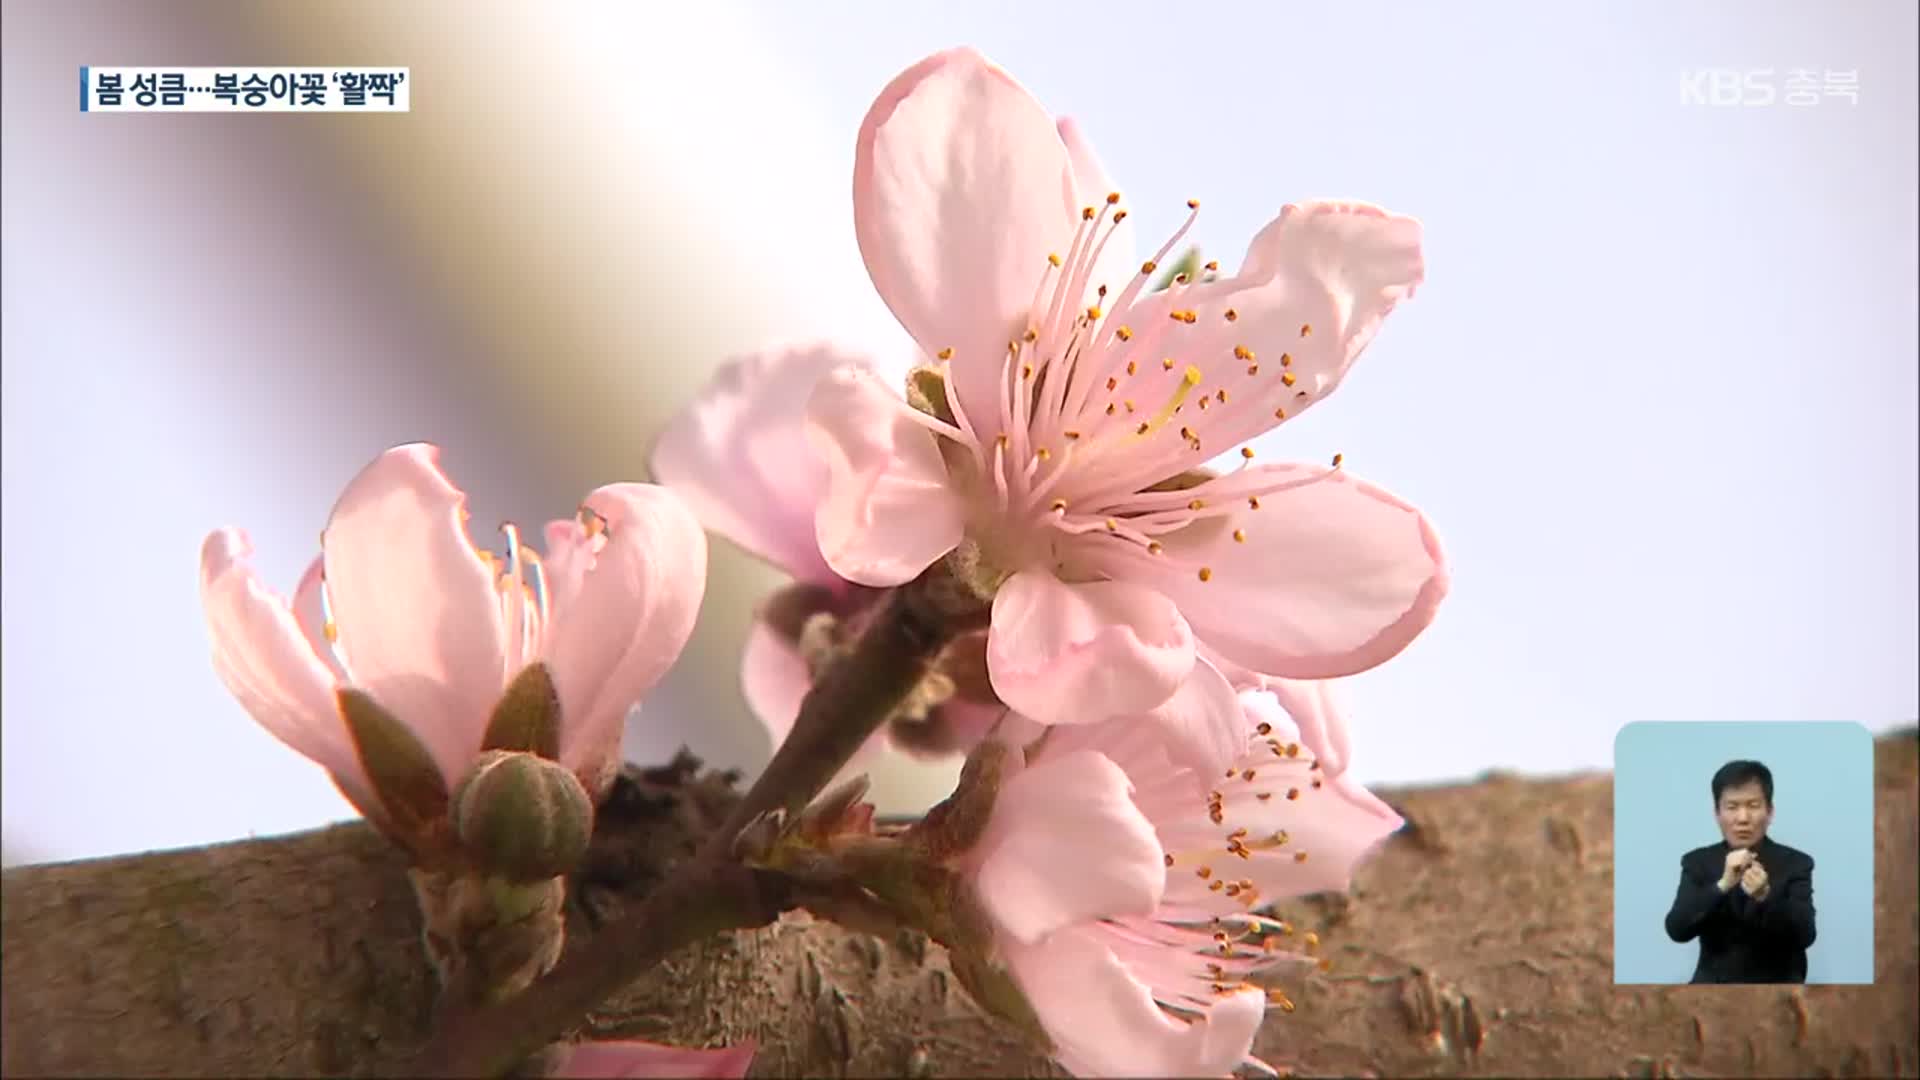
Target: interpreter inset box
{"type": "Point", "coordinates": [1743, 853]}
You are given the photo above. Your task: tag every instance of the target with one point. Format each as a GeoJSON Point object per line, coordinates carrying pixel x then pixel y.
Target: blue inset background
{"type": "Point", "coordinates": [1663, 808]}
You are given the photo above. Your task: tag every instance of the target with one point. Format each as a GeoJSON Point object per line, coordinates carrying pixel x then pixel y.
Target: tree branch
{"type": "Point", "coordinates": [1478, 943]}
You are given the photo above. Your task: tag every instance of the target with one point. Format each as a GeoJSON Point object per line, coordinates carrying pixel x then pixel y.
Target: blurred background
{"type": "Point", "coordinates": [1659, 393]}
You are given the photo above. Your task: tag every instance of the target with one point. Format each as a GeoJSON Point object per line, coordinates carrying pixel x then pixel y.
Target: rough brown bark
{"type": "Point", "coordinates": [1478, 943]}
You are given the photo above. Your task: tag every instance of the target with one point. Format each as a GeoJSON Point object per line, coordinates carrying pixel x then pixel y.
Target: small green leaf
{"type": "Point", "coordinates": [408, 783]}
{"type": "Point", "coordinates": [927, 392]}
{"type": "Point", "coordinates": [1188, 264]}
{"type": "Point", "coordinates": [528, 715]}
{"type": "Point", "coordinates": [1192, 478]}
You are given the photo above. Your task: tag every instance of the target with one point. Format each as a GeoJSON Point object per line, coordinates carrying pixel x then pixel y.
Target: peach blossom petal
{"type": "Point", "coordinates": [961, 189]}
{"type": "Point", "coordinates": [417, 609]}
{"type": "Point", "coordinates": [889, 511]}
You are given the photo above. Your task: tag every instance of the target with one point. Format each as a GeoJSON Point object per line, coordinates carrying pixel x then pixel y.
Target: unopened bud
{"type": "Point", "coordinates": [523, 817]}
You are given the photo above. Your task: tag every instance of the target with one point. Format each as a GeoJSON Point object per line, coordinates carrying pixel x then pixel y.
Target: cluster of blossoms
{"type": "Point", "coordinates": [1160, 634]}
{"type": "Point", "coordinates": [1155, 670]}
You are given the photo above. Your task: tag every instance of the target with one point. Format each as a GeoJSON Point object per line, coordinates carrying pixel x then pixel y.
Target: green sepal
{"type": "Point", "coordinates": [398, 765]}
{"type": "Point", "coordinates": [527, 717]}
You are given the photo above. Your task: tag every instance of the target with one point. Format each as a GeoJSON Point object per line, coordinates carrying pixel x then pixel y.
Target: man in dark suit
{"type": "Point", "coordinates": [1748, 899]}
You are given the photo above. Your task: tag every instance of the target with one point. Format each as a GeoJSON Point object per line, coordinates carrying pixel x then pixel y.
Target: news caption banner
{"type": "Point", "coordinates": [245, 89]}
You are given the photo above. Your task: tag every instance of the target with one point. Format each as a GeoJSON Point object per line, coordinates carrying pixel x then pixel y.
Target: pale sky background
{"type": "Point", "coordinates": [1658, 393]}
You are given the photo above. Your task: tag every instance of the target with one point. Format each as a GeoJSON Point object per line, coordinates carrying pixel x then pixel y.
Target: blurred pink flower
{"type": "Point", "coordinates": [1078, 406]}
{"type": "Point", "coordinates": [636, 1060]}
{"type": "Point", "coordinates": [1120, 871]}
{"type": "Point", "coordinates": [402, 606]}
{"type": "Point", "coordinates": [738, 456]}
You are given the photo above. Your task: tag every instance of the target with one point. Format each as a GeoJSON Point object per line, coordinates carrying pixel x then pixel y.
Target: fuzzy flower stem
{"type": "Point", "coordinates": [711, 892]}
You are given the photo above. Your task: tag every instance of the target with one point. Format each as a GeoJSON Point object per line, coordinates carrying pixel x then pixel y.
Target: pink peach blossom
{"type": "Point", "coordinates": [1074, 397]}
{"type": "Point", "coordinates": [636, 1060]}
{"type": "Point", "coordinates": [1120, 869]}
{"type": "Point", "coordinates": [738, 455]}
{"type": "Point", "coordinates": [401, 604]}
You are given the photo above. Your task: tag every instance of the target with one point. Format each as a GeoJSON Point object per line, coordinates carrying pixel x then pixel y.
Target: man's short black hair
{"type": "Point", "coordinates": [1737, 773]}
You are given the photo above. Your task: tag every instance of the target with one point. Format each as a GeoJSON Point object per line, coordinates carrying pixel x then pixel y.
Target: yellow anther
{"type": "Point", "coordinates": [1286, 359]}
{"type": "Point", "coordinates": [1093, 313]}
{"type": "Point", "coordinates": [1124, 334]}
{"type": "Point", "coordinates": [1232, 315]}
{"type": "Point", "coordinates": [1247, 452]}
{"type": "Point", "coordinates": [1337, 459]}
{"type": "Point", "coordinates": [1286, 377]}
{"type": "Point", "coordinates": [1053, 260]}
{"type": "Point", "coordinates": [1306, 330]}
{"type": "Point", "coordinates": [1149, 266]}
{"type": "Point", "coordinates": [1206, 573]}
{"type": "Point", "coordinates": [946, 353]}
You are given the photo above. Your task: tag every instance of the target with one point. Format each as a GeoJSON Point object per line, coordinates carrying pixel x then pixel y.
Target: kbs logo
{"type": "Point", "coordinates": [1750, 87]}
{"type": "Point", "coordinates": [1758, 87]}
